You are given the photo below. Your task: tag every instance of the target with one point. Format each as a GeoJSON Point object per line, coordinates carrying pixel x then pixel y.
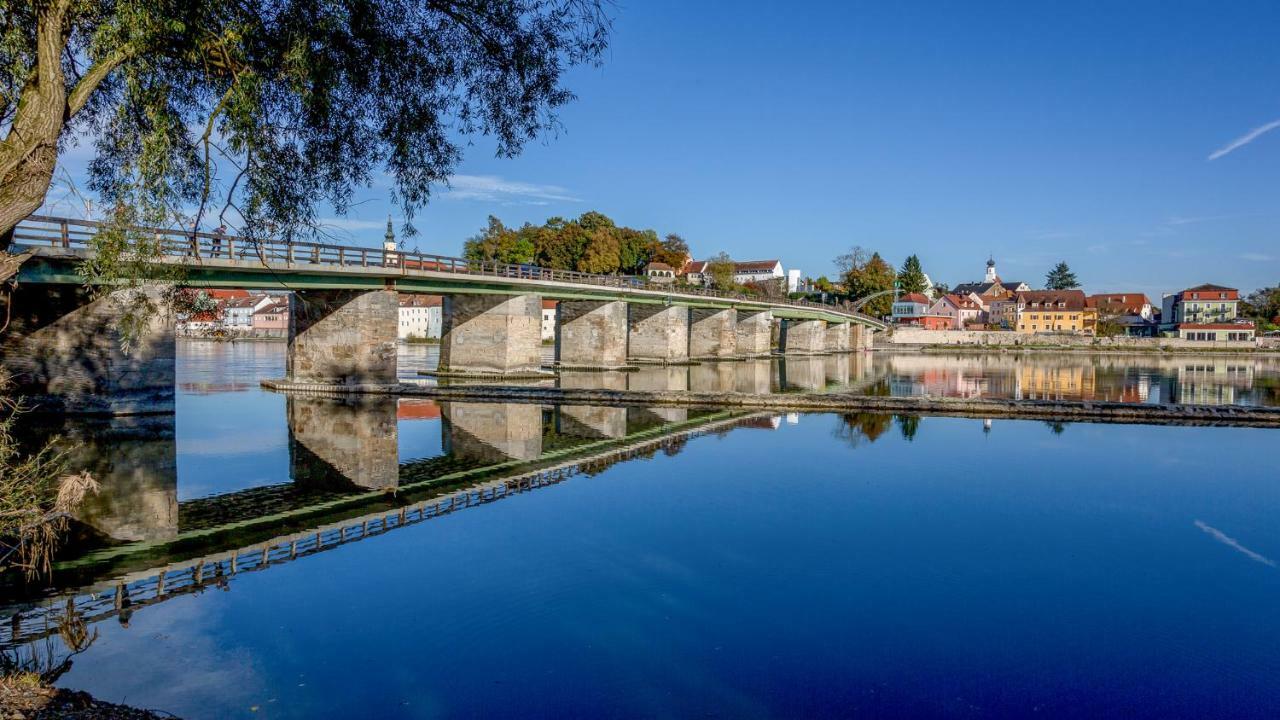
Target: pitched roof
{"type": "Point", "coordinates": [749, 265]}
{"type": "Point", "coordinates": [549, 304]}
{"type": "Point", "coordinates": [915, 298]}
{"type": "Point", "coordinates": [1121, 303]}
{"type": "Point", "coordinates": [960, 301]}
{"type": "Point", "coordinates": [1231, 293]}
{"type": "Point", "coordinates": [272, 308]}
{"type": "Point", "coordinates": [1209, 286]}
{"type": "Point", "coordinates": [656, 265]}
{"type": "Point", "coordinates": [1073, 299]}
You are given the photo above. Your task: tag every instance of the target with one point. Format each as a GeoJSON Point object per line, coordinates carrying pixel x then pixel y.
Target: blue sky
{"type": "Point", "coordinates": [1031, 131]}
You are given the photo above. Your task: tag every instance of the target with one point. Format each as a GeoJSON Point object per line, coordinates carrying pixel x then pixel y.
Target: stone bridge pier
{"type": "Point", "coordinates": [837, 337]}
{"type": "Point", "coordinates": [594, 422]}
{"type": "Point", "coordinates": [492, 432]}
{"type": "Point", "coordinates": [63, 352]}
{"type": "Point", "coordinates": [802, 373]}
{"type": "Point", "coordinates": [658, 333]}
{"type": "Point", "coordinates": [592, 334]}
{"type": "Point", "coordinates": [754, 332]}
{"type": "Point", "coordinates": [343, 337]}
{"type": "Point", "coordinates": [803, 337]}
{"type": "Point", "coordinates": [713, 334]}
{"type": "Point", "coordinates": [336, 439]}
{"type": "Point", "coordinates": [488, 335]}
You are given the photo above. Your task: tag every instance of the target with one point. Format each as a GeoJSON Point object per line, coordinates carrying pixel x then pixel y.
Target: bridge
{"type": "Point", "coordinates": [62, 348]}
{"type": "Point", "coordinates": [204, 556]}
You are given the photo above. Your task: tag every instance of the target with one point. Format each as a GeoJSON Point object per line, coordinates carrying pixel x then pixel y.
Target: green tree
{"type": "Point", "coordinates": [1263, 305]}
{"type": "Point", "coordinates": [865, 273]}
{"type": "Point", "coordinates": [1061, 278]}
{"type": "Point", "coordinates": [498, 243]}
{"type": "Point", "coordinates": [268, 107]}
{"type": "Point", "coordinates": [601, 254]}
{"type": "Point", "coordinates": [720, 270]}
{"type": "Point", "coordinates": [636, 248]}
{"type": "Point", "coordinates": [911, 277]}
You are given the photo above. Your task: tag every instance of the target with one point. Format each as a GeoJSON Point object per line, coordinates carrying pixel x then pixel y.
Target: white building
{"type": "Point", "coordinates": [238, 312]}
{"type": "Point", "coordinates": [744, 271]}
{"type": "Point", "coordinates": [420, 317]}
{"type": "Point", "coordinates": [548, 320]}
{"type": "Point", "coordinates": [793, 280]}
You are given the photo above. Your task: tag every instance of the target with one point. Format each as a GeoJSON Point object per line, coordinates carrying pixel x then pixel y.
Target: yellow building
{"type": "Point", "coordinates": [1053, 311]}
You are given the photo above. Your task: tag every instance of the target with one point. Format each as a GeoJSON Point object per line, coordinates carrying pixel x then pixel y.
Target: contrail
{"type": "Point", "coordinates": [1230, 542]}
{"type": "Point", "coordinates": [1245, 139]}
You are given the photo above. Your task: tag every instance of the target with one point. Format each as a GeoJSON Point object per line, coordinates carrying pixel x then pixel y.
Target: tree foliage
{"type": "Point", "coordinates": [865, 273]}
{"type": "Point", "coordinates": [720, 271]}
{"type": "Point", "coordinates": [673, 250]}
{"type": "Point", "coordinates": [592, 243]}
{"type": "Point", "coordinates": [911, 277]}
{"type": "Point", "coordinates": [272, 106]}
{"type": "Point", "coordinates": [1263, 305]}
{"type": "Point", "coordinates": [1061, 278]}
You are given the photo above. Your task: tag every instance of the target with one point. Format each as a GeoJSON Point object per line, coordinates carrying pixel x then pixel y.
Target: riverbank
{"type": "Point", "coordinates": [1057, 410]}
{"type": "Point", "coordinates": [24, 696]}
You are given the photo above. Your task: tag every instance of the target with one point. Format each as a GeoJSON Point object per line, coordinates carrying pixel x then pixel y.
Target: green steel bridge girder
{"type": "Point", "coordinates": [45, 272]}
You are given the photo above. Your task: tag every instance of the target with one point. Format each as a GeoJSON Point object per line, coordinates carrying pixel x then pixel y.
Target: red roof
{"type": "Point", "coordinates": [1123, 303]}
{"type": "Point", "coordinates": [548, 304]}
{"type": "Point", "coordinates": [1209, 291]}
{"type": "Point", "coordinates": [412, 409]}
{"type": "Point", "coordinates": [226, 294]}
{"type": "Point", "coordinates": [961, 302]}
{"type": "Point", "coordinates": [416, 300]}
{"type": "Point", "coordinates": [1071, 299]}
{"type": "Point", "coordinates": [914, 298]}
{"type": "Point", "coordinates": [1217, 326]}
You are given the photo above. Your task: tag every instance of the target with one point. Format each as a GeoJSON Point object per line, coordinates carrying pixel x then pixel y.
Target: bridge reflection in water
{"type": "Point", "coordinates": [140, 545]}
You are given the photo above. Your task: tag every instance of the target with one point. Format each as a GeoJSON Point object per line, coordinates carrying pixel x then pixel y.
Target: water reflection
{"type": "Point", "coordinates": [1176, 379]}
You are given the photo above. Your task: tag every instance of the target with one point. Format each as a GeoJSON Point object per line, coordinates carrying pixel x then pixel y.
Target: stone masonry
{"type": "Point", "coordinates": [593, 334]}
{"type": "Point", "coordinates": [351, 439]}
{"type": "Point", "coordinates": [837, 337]}
{"type": "Point", "coordinates": [343, 337]}
{"type": "Point", "coordinates": [712, 333]}
{"type": "Point", "coordinates": [63, 352]}
{"type": "Point", "coordinates": [658, 333]}
{"type": "Point", "coordinates": [753, 332]}
{"type": "Point", "coordinates": [804, 336]}
{"type": "Point", "coordinates": [491, 334]}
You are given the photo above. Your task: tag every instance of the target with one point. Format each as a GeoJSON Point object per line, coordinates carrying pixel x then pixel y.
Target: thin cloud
{"type": "Point", "coordinates": [491, 188]}
{"type": "Point", "coordinates": [350, 224]}
{"type": "Point", "coordinates": [1230, 542]}
{"type": "Point", "coordinates": [1245, 139]}
{"type": "Point", "coordinates": [1256, 257]}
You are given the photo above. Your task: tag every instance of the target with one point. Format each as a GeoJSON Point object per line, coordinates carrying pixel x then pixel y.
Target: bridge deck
{"type": "Point", "coordinates": [232, 261]}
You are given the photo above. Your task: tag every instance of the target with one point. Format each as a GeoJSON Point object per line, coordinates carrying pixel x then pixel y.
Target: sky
{"type": "Point", "coordinates": [1137, 141]}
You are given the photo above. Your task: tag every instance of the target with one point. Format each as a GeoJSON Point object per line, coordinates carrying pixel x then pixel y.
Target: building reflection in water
{"type": "Point", "coordinates": [1201, 380]}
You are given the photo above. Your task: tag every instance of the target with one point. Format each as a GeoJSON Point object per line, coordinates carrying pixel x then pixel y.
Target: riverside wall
{"type": "Point", "coordinates": [996, 339]}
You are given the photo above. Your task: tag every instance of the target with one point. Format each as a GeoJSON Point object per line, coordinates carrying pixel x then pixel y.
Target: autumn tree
{"type": "Point", "coordinates": [673, 251]}
{"type": "Point", "coordinates": [1061, 278]}
{"type": "Point", "coordinates": [865, 274]}
{"type": "Point", "coordinates": [258, 110]}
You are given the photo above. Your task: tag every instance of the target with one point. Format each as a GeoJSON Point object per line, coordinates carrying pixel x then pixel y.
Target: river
{"type": "Point", "coordinates": [261, 556]}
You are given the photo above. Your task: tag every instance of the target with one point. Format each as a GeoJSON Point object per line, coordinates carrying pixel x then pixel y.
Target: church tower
{"type": "Point", "coordinates": [991, 271]}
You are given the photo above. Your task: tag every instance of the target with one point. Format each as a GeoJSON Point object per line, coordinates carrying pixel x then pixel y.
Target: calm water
{"type": "Point", "coordinates": [699, 564]}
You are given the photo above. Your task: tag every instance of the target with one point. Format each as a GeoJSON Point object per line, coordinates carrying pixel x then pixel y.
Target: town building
{"type": "Point", "coordinates": [992, 286]}
{"type": "Point", "coordinates": [237, 314]}
{"type": "Point", "coordinates": [660, 272]}
{"type": "Point", "coordinates": [420, 317]}
{"type": "Point", "coordinates": [548, 320]}
{"type": "Point", "coordinates": [960, 310]}
{"type": "Point", "coordinates": [1132, 313]}
{"type": "Point", "coordinates": [744, 271]}
{"type": "Point", "coordinates": [1206, 303]}
{"type": "Point", "coordinates": [1054, 311]}
{"type": "Point", "coordinates": [908, 308]}
{"type": "Point", "coordinates": [1205, 313]}
{"type": "Point", "coordinates": [272, 318]}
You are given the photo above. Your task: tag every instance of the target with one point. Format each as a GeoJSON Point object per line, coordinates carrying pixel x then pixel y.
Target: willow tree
{"type": "Point", "coordinates": [254, 111]}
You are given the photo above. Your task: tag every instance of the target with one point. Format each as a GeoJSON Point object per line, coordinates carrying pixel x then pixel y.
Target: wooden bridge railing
{"type": "Point", "coordinates": [196, 247]}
